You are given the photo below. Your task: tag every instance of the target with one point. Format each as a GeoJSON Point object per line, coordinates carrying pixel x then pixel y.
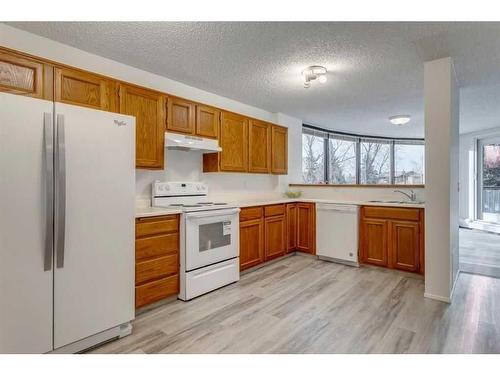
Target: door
{"type": "Point", "coordinates": [211, 237]}
{"type": "Point", "coordinates": [291, 226]}
{"type": "Point", "coordinates": [306, 228]}
{"type": "Point", "coordinates": [488, 189]}
{"type": "Point", "coordinates": [234, 143]}
{"type": "Point", "coordinates": [25, 224]}
{"type": "Point", "coordinates": [149, 111]}
{"type": "Point", "coordinates": [251, 243]}
{"type": "Point", "coordinates": [404, 246]}
{"type": "Point", "coordinates": [94, 227]}
{"type": "Point", "coordinates": [259, 147]}
{"type": "Point", "coordinates": [180, 116]}
{"type": "Point", "coordinates": [279, 139]}
{"type": "Point", "coordinates": [374, 247]}
{"type": "Point", "coordinates": [207, 121]}
{"type": "Point", "coordinates": [275, 236]}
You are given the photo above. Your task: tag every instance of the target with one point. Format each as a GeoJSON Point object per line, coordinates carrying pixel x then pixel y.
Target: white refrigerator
{"type": "Point", "coordinates": [67, 200]}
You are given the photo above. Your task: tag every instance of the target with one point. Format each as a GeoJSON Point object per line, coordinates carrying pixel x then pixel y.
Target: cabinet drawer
{"type": "Point", "coordinates": [274, 209]}
{"type": "Point", "coordinates": [156, 290]}
{"type": "Point", "coordinates": [149, 226]}
{"type": "Point", "coordinates": [392, 213]}
{"type": "Point", "coordinates": [151, 247]}
{"type": "Point", "coordinates": [156, 268]}
{"type": "Point", "coordinates": [250, 213]}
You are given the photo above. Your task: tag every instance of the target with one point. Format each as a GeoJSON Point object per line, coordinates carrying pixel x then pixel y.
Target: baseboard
{"type": "Point", "coordinates": [437, 298]}
{"type": "Point", "coordinates": [454, 284]}
{"type": "Point", "coordinates": [339, 261]}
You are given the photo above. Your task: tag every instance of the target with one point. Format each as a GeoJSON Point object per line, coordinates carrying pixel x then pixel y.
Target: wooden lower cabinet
{"type": "Point", "coordinates": [392, 238]}
{"type": "Point", "coordinates": [251, 243]}
{"type": "Point", "coordinates": [291, 227]}
{"type": "Point", "coordinates": [156, 258]}
{"type": "Point", "coordinates": [275, 237]}
{"type": "Point", "coordinates": [405, 245]}
{"type": "Point", "coordinates": [374, 248]}
{"type": "Point", "coordinates": [271, 231]}
{"type": "Point", "coordinates": [306, 227]}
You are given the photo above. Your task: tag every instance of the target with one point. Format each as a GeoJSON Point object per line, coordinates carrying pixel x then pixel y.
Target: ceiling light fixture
{"type": "Point", "coordinates": [312, 73]}
{"type": "Point", "coordinates": [400, 119]}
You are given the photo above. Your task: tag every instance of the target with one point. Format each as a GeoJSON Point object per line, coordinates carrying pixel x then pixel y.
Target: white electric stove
{"type": "Point", "coordinates": [210, 238]}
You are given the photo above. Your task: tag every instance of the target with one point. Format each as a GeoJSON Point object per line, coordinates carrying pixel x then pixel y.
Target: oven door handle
{"type": "Point", "coordinates": [212, 213]}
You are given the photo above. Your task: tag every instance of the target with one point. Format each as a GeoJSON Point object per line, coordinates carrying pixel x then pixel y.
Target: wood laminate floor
{"type": "Point", "coordinates": [304, 305]}
{"type": "Point", "coordinates": [480, 252]}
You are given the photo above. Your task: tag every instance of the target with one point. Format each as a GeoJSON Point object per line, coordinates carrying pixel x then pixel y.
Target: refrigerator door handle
{"type": "Point", "coordinates": [48, 135]}
{"type": "Point", "coordinates": [60, 192]}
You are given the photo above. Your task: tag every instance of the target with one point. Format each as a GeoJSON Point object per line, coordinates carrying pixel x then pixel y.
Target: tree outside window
{"type": "Point", "coordinates": [375, 164]}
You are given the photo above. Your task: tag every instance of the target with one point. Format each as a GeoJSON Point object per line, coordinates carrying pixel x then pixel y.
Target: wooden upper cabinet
{"type": "Point", "coordinates": [234, 142]}
{"type": "Point", "coordinates": [180, 116]}
{"type": "Point", "coordinates": [85, 89]}
{"type": "Point", "coordinates": [148, 109]}
{"type": "Point", "coordinates": [25, 76]}
{"type": "Point", "coordinates": [306, 227]}
{"type": "Point", "coordinates": [259, 146]}
{"type": "Point", "coordinates": [279, 149]}
{"type": "Point", "coordinates": [207, 121]}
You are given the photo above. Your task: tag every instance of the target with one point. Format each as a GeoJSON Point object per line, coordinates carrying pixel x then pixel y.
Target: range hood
{"type": "Point", "coordinates": [174, 141]}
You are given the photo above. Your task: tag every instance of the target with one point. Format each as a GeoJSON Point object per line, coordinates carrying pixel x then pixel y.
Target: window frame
{"type": "Point", "coordinates": [358, 139]}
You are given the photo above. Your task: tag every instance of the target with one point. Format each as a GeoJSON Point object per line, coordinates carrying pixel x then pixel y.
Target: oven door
{"type": "Point", "coordinates": [211, 237]}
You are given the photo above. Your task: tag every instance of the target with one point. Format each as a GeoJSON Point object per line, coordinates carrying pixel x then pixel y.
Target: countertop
{"type": "Point", "coordinates": [154, 211]}
{"type": "Point", "coordinates": [159, 211]}
{"type": "Point", "coordinates": [250, 203]}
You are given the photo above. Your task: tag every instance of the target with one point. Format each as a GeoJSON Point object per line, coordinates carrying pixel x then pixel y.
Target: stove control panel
{"type": "Point", "coordinates": [177, 189]}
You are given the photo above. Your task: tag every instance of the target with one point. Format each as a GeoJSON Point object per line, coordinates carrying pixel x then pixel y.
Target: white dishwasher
{"type": "Point", "coordinates": [337, 232]}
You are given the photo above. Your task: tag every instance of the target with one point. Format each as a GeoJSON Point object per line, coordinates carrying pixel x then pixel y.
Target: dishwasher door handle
{"type": "Point", "coordinates": [337, 208]}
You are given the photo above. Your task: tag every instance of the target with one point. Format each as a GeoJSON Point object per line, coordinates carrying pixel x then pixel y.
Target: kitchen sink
{"type": "Point", "coordinates": [397, 202]}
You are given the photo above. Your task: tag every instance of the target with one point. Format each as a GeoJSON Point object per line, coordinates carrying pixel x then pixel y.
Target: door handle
{"type": "Point", "coordinates": [48, 136]}
{"type": "Point", "coordinates": [60, 192]}
{"type": "Point", "coordinates": [213, 213]}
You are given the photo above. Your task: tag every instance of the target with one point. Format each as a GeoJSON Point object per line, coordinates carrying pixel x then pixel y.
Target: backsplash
{"type": "Point", "coordinates": [187, 166]}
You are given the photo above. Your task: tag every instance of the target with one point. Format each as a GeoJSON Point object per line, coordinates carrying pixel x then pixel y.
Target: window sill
{"type": "Point", "coordinates": [361, 186]}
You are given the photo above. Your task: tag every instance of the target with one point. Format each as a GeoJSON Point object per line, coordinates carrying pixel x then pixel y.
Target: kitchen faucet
{"type": "Point", "coordinates": [412, 196]}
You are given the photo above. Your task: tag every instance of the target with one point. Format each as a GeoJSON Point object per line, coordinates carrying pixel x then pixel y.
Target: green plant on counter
{"type": "Point", "coordinates": [293, 194]}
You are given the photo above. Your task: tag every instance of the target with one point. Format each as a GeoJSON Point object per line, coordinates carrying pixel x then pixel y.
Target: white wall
{"type": "Point", "coordinates": [441, 166]}
{"type": "Point", "coordinates": [468, 166]}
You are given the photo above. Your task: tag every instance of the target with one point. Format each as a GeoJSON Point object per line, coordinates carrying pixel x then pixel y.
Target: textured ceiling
{"type": "Point", "coordinates": [375, 69]}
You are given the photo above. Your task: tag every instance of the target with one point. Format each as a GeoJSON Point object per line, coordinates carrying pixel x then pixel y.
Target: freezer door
{"type": "Point", "coordinates": [94, 226]}
{"type": "Point", "coordinates": [26, 126]}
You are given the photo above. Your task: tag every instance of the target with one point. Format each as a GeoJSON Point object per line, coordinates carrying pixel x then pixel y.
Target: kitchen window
{"type": "Point", "coordinates": [409, 162]}
{"type": "Point", "coordinates": [339, 158]}
{"type": "Point", "coordinates": [342, 160]}
{"type": "Point", "coordinates": [375, 161]}
{"type": "Point", "coordinates": [313, 156]}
